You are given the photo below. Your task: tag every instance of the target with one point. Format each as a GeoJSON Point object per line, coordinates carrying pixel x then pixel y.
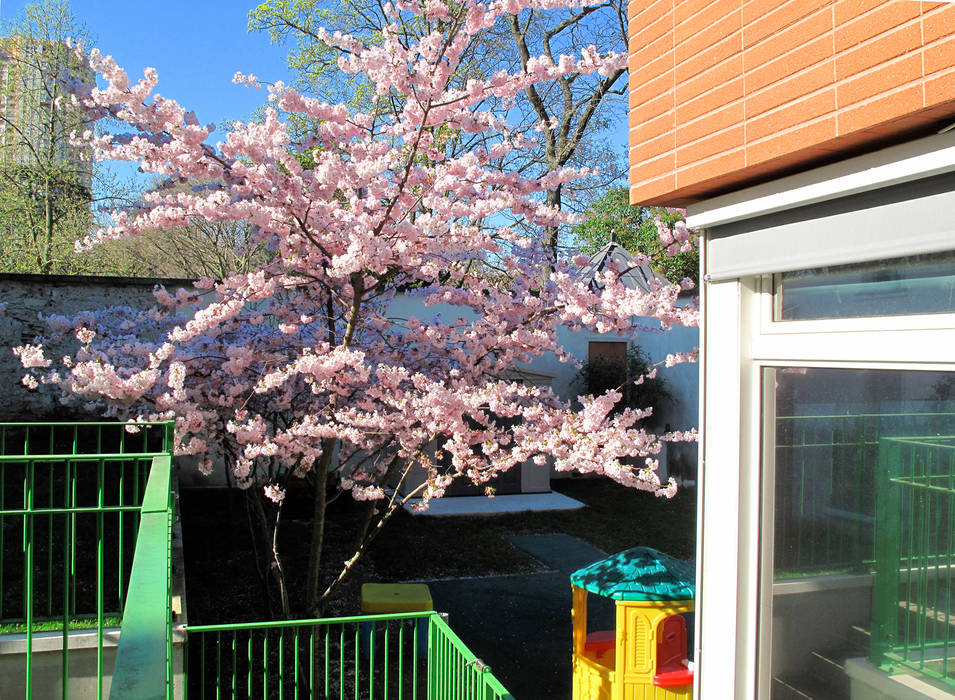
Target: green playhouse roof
{"type": "Point", "coordinates": [641, 573]}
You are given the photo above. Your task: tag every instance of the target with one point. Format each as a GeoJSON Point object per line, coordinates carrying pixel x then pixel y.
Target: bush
{"type": "Point", "coordinates": [601, 374]}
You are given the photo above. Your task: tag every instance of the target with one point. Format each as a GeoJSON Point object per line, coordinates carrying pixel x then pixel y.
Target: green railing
{"type": "Point", "coordinates": [914, 604]}
{"type": "Point", "coordinates": [371, 656]}
{"type": "Point", "coordinates": [86, 516]}
{"type": "Point", "coordinates": [71, 497]}
{"type": "Point", "coordinates": [144, 659]}
{"type": "Point", "coordinates": [454, 672]}
{"type": "Point", "coordinates": [826, 479]}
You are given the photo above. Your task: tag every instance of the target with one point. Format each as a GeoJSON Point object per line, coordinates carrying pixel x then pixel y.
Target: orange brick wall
{"type": "Point", "coordinates": [725, 93]}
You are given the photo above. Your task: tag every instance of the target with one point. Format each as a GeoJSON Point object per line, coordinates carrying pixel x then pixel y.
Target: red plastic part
{"type": "Point", "coordinates": [601, 641]}
{"type": "Point", "coordinates": [671, 643]}
{"type": "Point", "coordinates": [673, 677]}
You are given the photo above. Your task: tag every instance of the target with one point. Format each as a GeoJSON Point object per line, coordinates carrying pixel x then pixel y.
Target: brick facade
{"type": "Point", "coordinates": [726, 93]}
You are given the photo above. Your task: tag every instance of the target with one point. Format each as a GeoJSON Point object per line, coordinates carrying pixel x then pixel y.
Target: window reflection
{"type": "Point", "coordinates": [921, 284]}
{"type": "Point", "coordinates": [830, 429]}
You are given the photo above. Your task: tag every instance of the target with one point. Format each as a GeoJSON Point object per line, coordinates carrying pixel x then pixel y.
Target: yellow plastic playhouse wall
{"type": "Point", "coordinates": [627, 671]}
{"type": "Point", "coordinates": [593, 673]}
{"type": "Point", "coordinates": [636, 662]}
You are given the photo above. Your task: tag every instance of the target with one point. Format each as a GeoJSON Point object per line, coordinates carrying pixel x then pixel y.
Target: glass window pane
{"type": "Point", "coordinates": [921, 284]}
{"type": "Point", "coordinates": [833, 458]}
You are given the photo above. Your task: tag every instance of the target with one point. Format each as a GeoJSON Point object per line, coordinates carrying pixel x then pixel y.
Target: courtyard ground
{"type": "Point", "coordinates": [503, 579]}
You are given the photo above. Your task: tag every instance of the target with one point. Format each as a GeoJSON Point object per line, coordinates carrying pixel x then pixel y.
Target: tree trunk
{"type": "Point", "coordinates": [550, 232]}
{"type": "Point", "coordinates": [46, 266]}
{"type": "Point", "coordinates": [312, 581]}
{"type": "Point", "coordinates": [255, 531]}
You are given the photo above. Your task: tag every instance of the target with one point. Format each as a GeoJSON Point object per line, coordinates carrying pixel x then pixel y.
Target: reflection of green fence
{"type": "Point", "coordinates": [826, 476]}
{"type": "Point", "coordinates": [914, 605]}
{"type": "Point", "coordinates": [371, 656]}
{"type": "Point", "coordinates": [71, 503]}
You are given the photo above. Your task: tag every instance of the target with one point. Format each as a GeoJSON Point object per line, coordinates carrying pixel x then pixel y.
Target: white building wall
{"type": "Point", "coordinates": [682, 413]}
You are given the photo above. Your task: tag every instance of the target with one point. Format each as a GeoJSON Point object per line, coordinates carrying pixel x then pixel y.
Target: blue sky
{"type": "Point", "coordinates": [195, 45]}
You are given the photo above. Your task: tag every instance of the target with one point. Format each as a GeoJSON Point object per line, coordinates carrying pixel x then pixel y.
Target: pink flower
{"type": "Point", "coordinates": [274, 493]}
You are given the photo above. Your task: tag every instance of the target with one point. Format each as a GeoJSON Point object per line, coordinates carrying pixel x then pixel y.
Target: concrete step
{"type": "Point", "coordinates": [784, 690]}
{"type": "Point", "coordinates": [829, 671]}
{"type": "Point", "coordinates": [824, 679]}
{"type": "Point", "coordinates": [805, 688]}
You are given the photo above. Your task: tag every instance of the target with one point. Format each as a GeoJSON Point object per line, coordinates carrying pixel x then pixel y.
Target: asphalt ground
{"type": "Point", "coordinates": [520, 625]}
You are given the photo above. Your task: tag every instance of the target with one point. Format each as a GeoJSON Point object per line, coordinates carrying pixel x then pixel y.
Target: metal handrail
{"type": "Point", "coordinates": [143, 668]}
{"type": "Point", "coordinates": [367, 656]}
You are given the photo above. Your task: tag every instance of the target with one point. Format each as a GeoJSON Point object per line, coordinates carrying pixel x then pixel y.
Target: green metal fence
{"type": "Point", "coordinates": [86, 516]}
{"type": "Point", "coordinates": [70, 510]}
{"type": "Point", "coordinates": [914, 604]}
{"type": "Point", "coordinates": [410, 655]}
{"type": "Point", "coordinates": [144, 659]}
{"type": "Point", "coordinates": [454, 672]}
{"type": "Point", "coordinates": [826, 479]}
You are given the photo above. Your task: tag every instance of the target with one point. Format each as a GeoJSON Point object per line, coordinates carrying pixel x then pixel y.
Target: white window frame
{"type": "Point", "coordinates": [913, 343]}
{"type": "Point", "coordinates": [738, 339]}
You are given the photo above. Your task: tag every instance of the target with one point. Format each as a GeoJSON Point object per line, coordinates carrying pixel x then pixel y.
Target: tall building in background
{"type": "Point", "coordinates": [35, 117]}
{"type": "Point", "coordinates": [46, 182]}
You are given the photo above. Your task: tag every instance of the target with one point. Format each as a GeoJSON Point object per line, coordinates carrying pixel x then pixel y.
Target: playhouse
{"type": "Point", "coordinates": [645, 655]}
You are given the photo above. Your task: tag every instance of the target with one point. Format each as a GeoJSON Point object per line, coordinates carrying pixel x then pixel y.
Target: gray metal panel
{"type": "Point", "coordinates": [917, 217]}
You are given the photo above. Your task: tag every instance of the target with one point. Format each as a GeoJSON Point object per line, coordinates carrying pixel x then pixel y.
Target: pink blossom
{"type": "Point", "coordinates": [31, 356]}
{"type": "Point", "coordinates": [274, 493]}
{"type": "Point", "coordinates": [85, 335]}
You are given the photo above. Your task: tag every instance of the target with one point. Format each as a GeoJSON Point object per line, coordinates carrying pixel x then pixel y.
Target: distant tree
{"type": "Point", "coordinates": [201, 248]}
{"type": "Point", "coordinates": [48, 186]}
{"type": "Point", "coordinates": [636, 229]}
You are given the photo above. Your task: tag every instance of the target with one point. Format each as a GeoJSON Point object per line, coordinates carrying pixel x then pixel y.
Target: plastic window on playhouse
{"type": "Point", "coordinates": [823, 476]}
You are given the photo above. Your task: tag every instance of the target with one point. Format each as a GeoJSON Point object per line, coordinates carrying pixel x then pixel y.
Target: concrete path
{"type": "Point", "coordinates": [561, 552]}
{"type": "Point", "coordinates": [482, 505]}
{"type": "Point", "coordinates": [520, 625]}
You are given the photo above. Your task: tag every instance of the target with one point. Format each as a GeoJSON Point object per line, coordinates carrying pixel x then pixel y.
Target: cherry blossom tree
{"type": "Point", "coordinates": [298, 369]}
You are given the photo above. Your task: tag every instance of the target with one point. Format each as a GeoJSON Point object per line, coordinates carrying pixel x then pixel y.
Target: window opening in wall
{"type": "Point", "coordinates": [915, 284]}
{"type": "Point", "coordinates": [609, 351]}
{"type": "Point", "coordinates": [617, 366]}
{"type": "Point", "coordinates": [851, 543]}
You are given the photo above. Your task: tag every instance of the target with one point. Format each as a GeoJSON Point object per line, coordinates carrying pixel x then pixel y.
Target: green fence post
{"type": "Point", "coordinates": [141, 669]}
{"type": "Point", "coordinates": [888, 535]}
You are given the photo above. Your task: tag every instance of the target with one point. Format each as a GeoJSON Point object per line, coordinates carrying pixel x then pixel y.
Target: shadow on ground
{"type": "Point", "coordinates": [520, 624]}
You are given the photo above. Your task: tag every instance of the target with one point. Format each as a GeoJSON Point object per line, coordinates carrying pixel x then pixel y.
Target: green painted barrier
{"type": "Point", "coordinates": [144, 663]}
{"type": "Point", "coordinates": [914, 602]}
{"type": "Point", "coordinates": [90, 503]}
{"type": "Point", "coordinates": [70, 497]}
{"type": "Point", "coordinates": [327, 658]}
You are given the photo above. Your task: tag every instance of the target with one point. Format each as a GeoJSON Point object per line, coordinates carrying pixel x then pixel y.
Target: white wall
{"type": "Point", "coordinates": [683, 380]}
